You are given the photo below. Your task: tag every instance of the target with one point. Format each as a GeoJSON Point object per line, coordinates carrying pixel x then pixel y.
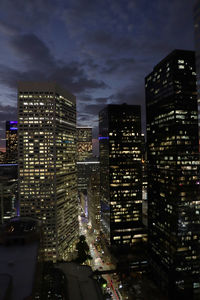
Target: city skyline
{"type": "Point", "coordinates": [101, 52]}
{"type": "Point", "coordinates": [47, 136]}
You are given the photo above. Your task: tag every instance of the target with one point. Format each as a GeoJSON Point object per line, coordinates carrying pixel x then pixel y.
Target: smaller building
{"type": "Point", "coordinates": [85, 168]}
{"type": "Point", "coordinates": [8, 192]}
{"type": "Point", "coordinates": [81, 285]}
{"type": "Point", "coordinates": [11, 141]}
{"type": "Point", "coordinates": [84, 143]}
{"type": "Point", "coordinates": [94, 201]}
{"type": "Point", "coordinates": [2, 157]}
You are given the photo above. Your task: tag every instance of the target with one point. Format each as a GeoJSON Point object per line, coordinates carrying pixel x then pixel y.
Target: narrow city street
{"type": "Point", "coordinates": [101, 261]}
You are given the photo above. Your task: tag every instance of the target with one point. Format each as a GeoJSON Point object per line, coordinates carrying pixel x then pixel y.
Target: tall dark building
{"type": "Point", "coordinates": [120, 143]}
{"type": "Point", "coordinates": [94, 200]}
{"type": "Point", "coordinates": [173, 195]}
{"type": "Point", "coordinates": [9, 206]}
{"type": "Point", "coordinates": [11, 141]}
{"type": "Point", "coordinates": [197, 44]}
{"type": "Point", "coordinates": [84, 170]}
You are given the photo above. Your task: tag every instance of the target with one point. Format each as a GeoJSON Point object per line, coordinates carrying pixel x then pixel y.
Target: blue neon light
{"type": "Point", "coordinates": [13, 128]}
{"type": "Point", "coordinates": [103, 137]}
{"type": "Point", "coordinates": [13, 122]}
{"type": "Point", "coordinates": [8, 165]}
{"type": "Point", "coordinates": [68, 142]}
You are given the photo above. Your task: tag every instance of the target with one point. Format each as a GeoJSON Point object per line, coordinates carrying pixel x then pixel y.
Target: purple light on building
{"type": "Point", "coordinates": [13, 122]}
{"type": "Point", "coordinates": [103, 137]}
{"type": "Point", "coordinates": [18, 210]}
{"type": "Point", "coordinates": [13, 128]}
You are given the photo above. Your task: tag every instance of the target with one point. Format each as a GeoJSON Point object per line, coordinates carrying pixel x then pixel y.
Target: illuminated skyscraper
{"type": "Point", "coordinates": [47, 163]}
{"type": "Point", "coordinates": [120, 143]}
{"type": "Point", "coordinates": [11, 141]}
{"type": "Point", "coordinates": [173, 195]}
{"type": "Point", "coordinates": [84, 143]}
{"type": "Point", "coordinates": [197, 44]}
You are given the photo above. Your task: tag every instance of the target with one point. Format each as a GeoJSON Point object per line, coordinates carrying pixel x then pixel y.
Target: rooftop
{"type": "Point", "coordinates": [81, 286]}
{"type": "Point", "coordinates": [18, 258]}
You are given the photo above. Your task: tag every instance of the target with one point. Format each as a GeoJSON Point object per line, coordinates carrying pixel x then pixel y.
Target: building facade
{"type": "Point", "coordinates": [9, 207]}
{"type": "Point", "coordinates": [94, 200]}
{"type": "Point", "coordinates": [85, 169]}
{"type": "Point", "coordinates": [11, 141]}
{"type": "Point", "coordinates": [120, 143]}
{"type": "Point", "coordinates": [47, 163]}
{"type": "Point", "coordinates": [197, 44]}
{"type": "Point", "coordinates": [173, 193]}
{"type": "Point", "coordinates": [84, 143]}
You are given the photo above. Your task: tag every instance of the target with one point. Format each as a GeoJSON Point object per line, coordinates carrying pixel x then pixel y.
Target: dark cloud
{"type": "Point", "coordinates": [74, 78]}
{"type": "Point", "coordinates": [27, 15]}
{"type": "Point", "coordinates": [90, 47]}
{"type": "Point", "coordinates": [34, 50]}
{"type": "Point", "coordinates": [8, 29]}
{"type": "Point", "coordinates": [85, 98]}
{"type": "Point", "coordinates": [90, 63]}
{"type": "Point", "coordinates": [40, 64]}
{"type": "Point", "coordinates": [119, 65]}
{"type": "Point", "coordinates": [102, 100]}
{"type": "Point", "coordinates": [94, 109]}
{"type": "Point", "coordinates": [76, 83]}
{"type": "Point", "coordinates": [9, 76]}
{"type": "Point", "coordinates": [7, 112]}
{"type": "Point", "coordinates": [106, 42]}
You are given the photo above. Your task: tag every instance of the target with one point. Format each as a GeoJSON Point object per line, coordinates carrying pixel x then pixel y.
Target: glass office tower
{"type": "Point", "coordinates": [173, 184]}
{"type": "Point", "coordinates": [47, 163]}
{"type": "Point", "coordinates": [120, 143]}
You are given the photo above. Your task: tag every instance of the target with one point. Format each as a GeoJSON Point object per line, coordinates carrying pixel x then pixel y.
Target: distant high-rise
{"type": "Point", "coordinates": [2, 157]}
{"type": "Point", "coordinates": [11, 141]}
{"type": "Point", "coordinates": [120, 143]}
{"type": "Point", "coordinates": [197, 44]}
{"type": "Point", "coordinates": [84, 143]}
{"type": "Point", "coordinates": [94, 200]}
{"type": "Point", "coordinates": [47, 163]}
{"type": "Point", "coordinates": [173, 195]}
{"type": "Point", "coordinates": [85, 169]}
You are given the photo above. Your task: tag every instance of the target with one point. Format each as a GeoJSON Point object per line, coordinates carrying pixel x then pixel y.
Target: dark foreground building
{"type": "Point", "coordinates": [8, 192]}
{"type": "Point", "coordinates": [120, 142]}
{"type": "Point", "coordinates": [173, 185]}
{"type": "Point", "coordinates": [21, 260]}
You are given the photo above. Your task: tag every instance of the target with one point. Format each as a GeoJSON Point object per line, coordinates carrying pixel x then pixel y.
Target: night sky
{"type": "Point", "coordinates": [100, 50]}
